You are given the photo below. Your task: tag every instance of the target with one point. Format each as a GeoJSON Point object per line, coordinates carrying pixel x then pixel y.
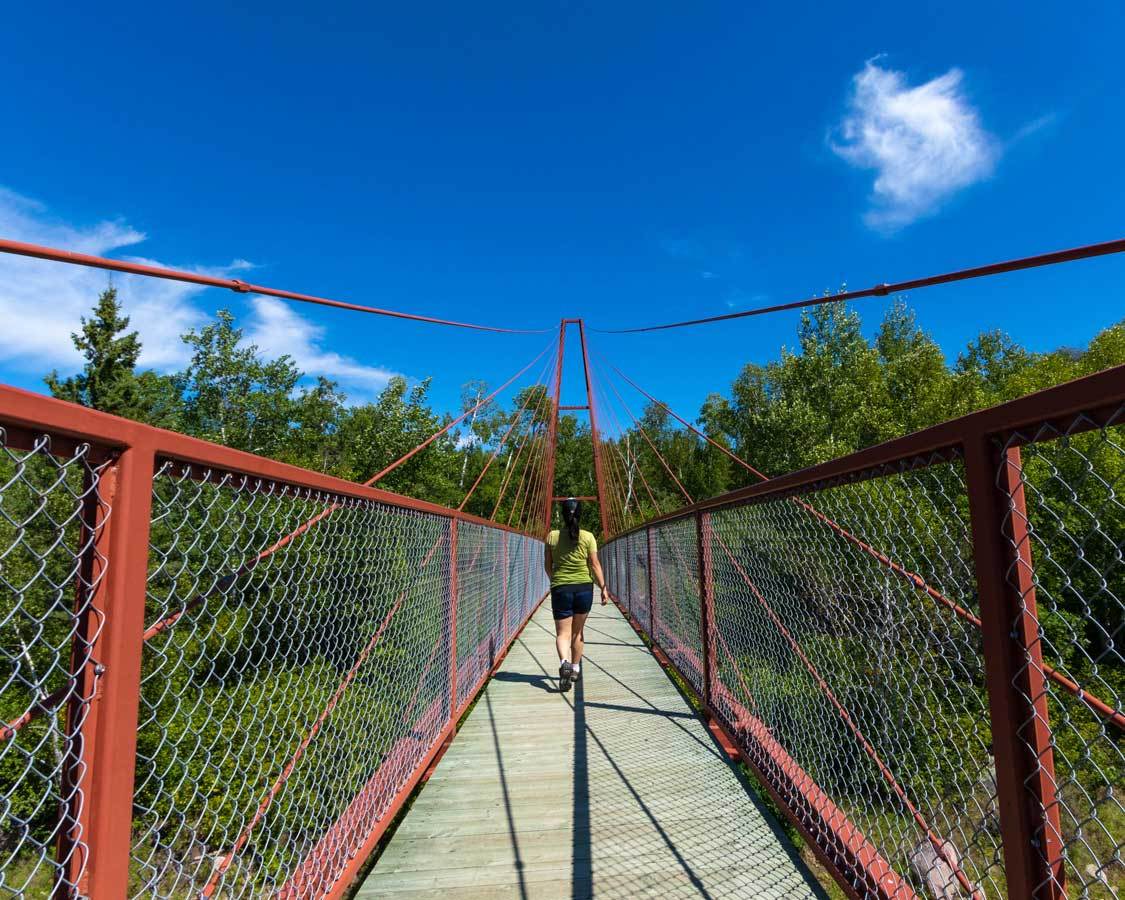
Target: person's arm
{"type": "Point", "coordinates": [548, 561]}
{"type": "Point", "coordinates": [599, 576]}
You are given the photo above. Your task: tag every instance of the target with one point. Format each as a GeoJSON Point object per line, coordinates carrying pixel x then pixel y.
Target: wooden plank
{"type": "Point", "coordinates": [615, 789]}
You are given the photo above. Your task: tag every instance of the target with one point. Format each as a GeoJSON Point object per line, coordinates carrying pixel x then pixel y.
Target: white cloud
{"type": "Point", "coordinates": [277, 329]}
{"type": "Point", "coordinates": [41, 303]}
{"type": "Point", "coordinates": [925, 143]}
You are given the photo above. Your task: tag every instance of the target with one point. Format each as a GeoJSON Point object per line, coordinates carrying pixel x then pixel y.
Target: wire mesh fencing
{"type": "Point", "coordinates": [297, 666]}
{"type": "Point", "coordinates": [676, 602]}
{"type": "Point", "coordinates": [1064, 486]}
{"type": "Point", "coordinates": [52, 513]}
{"type": "Point", "coordinates": [480, 603]}
{"type": "Point", "coordinates": [850, 662]}
{"type": "Point", "coordinates": [872, 684]}
{"type": "Point", "coordinates": [279, 679]}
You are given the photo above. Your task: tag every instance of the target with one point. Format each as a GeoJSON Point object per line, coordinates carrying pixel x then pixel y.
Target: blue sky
{"type": "Point", "coordinates": [517, 163]}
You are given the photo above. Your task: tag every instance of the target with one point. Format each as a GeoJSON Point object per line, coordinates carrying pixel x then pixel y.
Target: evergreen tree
{"type": "Point", "coordinates": [108, 379]}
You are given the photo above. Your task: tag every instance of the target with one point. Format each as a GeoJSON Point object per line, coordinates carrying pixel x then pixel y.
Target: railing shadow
{"type": "Point", "coordinates": [647, 821]}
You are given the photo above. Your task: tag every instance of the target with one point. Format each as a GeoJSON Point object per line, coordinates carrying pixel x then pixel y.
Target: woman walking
{"type": "Point", "coordinates": [572, 565]}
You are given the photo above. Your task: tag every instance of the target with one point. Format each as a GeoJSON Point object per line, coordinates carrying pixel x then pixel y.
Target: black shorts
{"type": "Point", "coordinates": [571, 599]}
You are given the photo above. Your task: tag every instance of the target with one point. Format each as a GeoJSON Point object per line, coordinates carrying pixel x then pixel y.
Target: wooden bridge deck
{"type": "Point", "coordinates": [612, 790]}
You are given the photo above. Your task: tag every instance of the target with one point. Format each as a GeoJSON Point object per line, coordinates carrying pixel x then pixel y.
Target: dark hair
{"type": "Point", "coordinates": [571, 509]}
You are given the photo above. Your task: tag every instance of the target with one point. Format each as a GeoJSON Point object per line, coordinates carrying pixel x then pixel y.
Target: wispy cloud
{"type": "Point", "coordinates": [924, 143]}
{"type": "Point", "coordinates": [278, 330]}
{"type": "Point", "coordinates": [42, 302]}
{"type": "Point", "coordinates": [1035, 125]}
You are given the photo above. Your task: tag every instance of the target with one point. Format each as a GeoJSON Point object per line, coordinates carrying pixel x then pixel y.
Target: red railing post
{"type": "Point", "coordinates": [629, 574]}
{"type": "Point", "coordinates": [453, 621]}
{"type": "Point", "coordinates": [706, 604]}
{"type": "Point", "coordinates": [503, 587]}
{"type": "Point", "coordinates": [1017, 692]}
{"type": "Point", "coordinates": [651, 585]}
{"type": "Point", "coordinates": [106, 743]}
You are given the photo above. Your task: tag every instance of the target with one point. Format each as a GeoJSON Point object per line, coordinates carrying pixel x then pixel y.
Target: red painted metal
{"type": "Point", "coordinates": [433, 437]}
{"type": "Point", "coordinates": [573, 407]}
{"type": "Point", "coordinates": [500, 446]}
{"type": "Point", "coordinates": [453, 604]}
{"type": "Point", "coordinates": [650, 540]}
{"type": "Point", "coordinates": [629, 573]}
{"type": "Point", "coordinates": [703, 538]}
{"type": "Point", "coordinates": [1097, 397]}
{"type": "Point", "coordinates": [506, 570]}
{"type": "Point", "coordinates": [36, 414]}
{"type": "Point", "coordinates": [344, 883]}
{"type": "Point", "coordinates": [794, 791]}
{"type": "Point", "coordinates": [71, 852]}
{"type": "Point", "coordinates": [882, 290]}
{"type": "Point", "coordinates": [553, 428]}
{"type": "Point", "coordinates": [1095, 703]}
{"type": "Point", "coordinates": [1017, 695]}
{"type": "Point", "coordinates": [109, 730]}
{"type": "Point", "coordinates": [19, 248]}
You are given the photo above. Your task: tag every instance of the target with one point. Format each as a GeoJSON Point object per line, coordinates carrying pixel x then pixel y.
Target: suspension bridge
{"type": "Point", "coordinates": [895, 674]}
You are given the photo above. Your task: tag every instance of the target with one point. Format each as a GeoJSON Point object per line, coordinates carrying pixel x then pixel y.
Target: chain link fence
{"type": "Point", "coordinates": [283, 678]}
{"type": "Point", "coordinates": [296, 668]}
{"type": "Point", "coordinates": [1067, 536]}
{"type": "Point", "coordinates": [849, 661]}
{"type": "Point", "coordinates": [52, 515]}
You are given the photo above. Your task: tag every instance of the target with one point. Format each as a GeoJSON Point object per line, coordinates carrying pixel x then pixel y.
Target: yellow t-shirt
{"type": "Point", "coordinates": [571, 559]}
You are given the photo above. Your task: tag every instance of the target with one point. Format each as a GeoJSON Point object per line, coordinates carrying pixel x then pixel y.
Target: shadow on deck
{"type": "Point", "coordinates": [613, 790]}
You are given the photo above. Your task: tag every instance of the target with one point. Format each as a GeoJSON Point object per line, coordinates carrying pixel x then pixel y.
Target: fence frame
{"type": "Point", "coordinates": [1028, 807]}
{"type": "Point", "coordinates": [105, 743]}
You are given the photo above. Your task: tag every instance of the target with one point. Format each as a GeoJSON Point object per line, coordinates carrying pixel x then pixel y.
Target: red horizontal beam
{"type": "Point", "coordinates": [33, 415]}
{"type": "Point", "coordinates": [881, 290]}
{"type": "Point", "coordinates": [18, 248]}
{"type": "Point", "coordinates": [574, 407]}
{"type": "Point", "coordinates": [1097, 397]}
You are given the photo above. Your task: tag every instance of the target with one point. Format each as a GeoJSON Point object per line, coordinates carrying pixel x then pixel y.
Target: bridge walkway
{"type": "Point", "coordinates": [615, 789]}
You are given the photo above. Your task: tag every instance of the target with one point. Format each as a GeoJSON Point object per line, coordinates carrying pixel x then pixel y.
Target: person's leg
{"type": "Point", "coordinates": [583, 602]}
{"type": "Point", "coordinates": [563, 638]}
{"type": "Point", "coordinates": [577, 642]}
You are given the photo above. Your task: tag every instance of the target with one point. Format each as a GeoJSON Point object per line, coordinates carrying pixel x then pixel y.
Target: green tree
{"type": "Point", "coordinates": [232, 395]}
{"type": "Point", "coordinates": [109, 380]}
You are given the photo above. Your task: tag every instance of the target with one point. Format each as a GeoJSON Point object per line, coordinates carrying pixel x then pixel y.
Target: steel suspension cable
{"type": "Point", "coordinates": [635, 461]}
{"type": "Point", "coordinates": [1095, 703]}
{"type": "Point", "coordinates": [644, 434]}
{"type": "Point", "coordinates": [18, 248]}
{"type": "Point", "coordinates": [433, 437]}
{"type": "Point", "coordinates": [516, 419]}
{"type": "Point", "coordinates": [537, 493]}
{"type": "Point", "coordinates": [633, 452]}
{"type": "Point", "coordinates": [618, 469]}
{"type": "Point", "coordinates": [882, 290]}
{"type": "Point", "coordinates": [171, 619]}
{"type": "Point", "coordinates": [510, 468]}
{"type": "Point", "coordinates": [525, 482]}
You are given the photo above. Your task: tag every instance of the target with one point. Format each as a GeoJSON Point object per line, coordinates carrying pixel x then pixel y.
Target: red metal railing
{"type": "Point", "coordinates": [917, 648]}
{"type": "Point", "coordinates": [223, 675]}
